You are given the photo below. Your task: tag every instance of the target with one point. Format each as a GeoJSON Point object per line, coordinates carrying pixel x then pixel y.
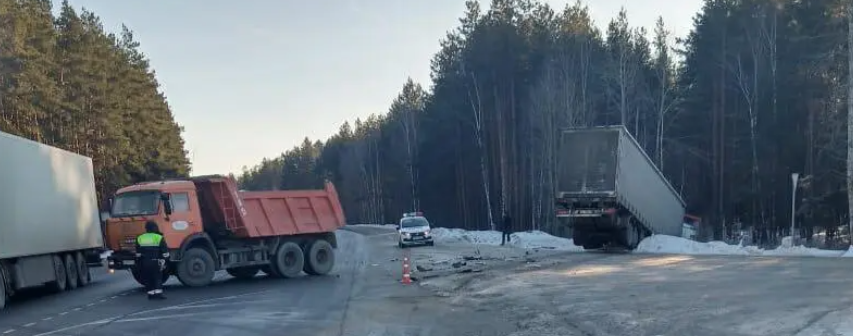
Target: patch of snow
{"type": "Point", "coordinates": [849, 253]}
{"type": "Point", "coordinates": [678, 245]}
{"type": "Point", "coordinates": [381, 226]}
{"type": "Point", "coordinates": [106, 254]}
{"type": "Point", "coordinates": [527, 240]}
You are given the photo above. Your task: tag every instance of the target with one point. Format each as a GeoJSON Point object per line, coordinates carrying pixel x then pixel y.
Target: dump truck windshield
{"type": "Point", "coordinates": [136, 203]}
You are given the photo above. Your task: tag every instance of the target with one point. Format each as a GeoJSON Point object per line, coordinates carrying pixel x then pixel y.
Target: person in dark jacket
{"type": "Point", "coordinates": [506, 229]}
{"type": "Point", "coordinates": [151, 255]}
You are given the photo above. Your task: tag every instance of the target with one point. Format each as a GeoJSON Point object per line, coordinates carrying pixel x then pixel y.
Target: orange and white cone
{"type": "Point", "coordinates": [407, 278]}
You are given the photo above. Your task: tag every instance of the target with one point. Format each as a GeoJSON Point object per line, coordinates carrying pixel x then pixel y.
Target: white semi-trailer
{"type": "Point", "coordinates": [50, 232]}
{"type": "Point", "coordinates": [610, 192]}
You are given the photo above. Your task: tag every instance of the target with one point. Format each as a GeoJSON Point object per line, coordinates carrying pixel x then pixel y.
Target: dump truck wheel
{"type": "Point", "coordinates": [289, 260]}
{"type": "Point", "coordinates": [71, 271]}
{"type": "Point", "coordinates": [61, 282]}
{"type": "Point", "coordinates": [319, 258]}
{"type": "Point", "coordinates": [196, 268]}
{"type": "Point", "coordinates": [247, 272]}
{"type": "Point", "coordinates": [83, 276]}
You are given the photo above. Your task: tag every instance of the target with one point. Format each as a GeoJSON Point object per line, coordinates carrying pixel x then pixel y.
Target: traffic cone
{"type": "Point", "coordinates": [407, 278]}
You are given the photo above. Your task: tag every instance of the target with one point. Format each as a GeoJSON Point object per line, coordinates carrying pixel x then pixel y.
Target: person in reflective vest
{"type": "Point", "coordinates": [151, 256]}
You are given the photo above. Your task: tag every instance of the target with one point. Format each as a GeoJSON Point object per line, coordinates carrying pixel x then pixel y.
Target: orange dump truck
{"type": "Point", "coordinates": [209, 225]}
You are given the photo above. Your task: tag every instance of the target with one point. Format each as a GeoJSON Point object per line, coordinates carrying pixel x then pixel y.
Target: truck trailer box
{"type": "Point", "coordinates": [48, 202]}
{"type": "Point", "coordinates": [607, 162]}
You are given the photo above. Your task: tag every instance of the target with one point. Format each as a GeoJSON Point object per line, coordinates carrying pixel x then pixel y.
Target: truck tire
{"type": "Point", "coordinates": [246, 272]}
{"type": "Point", "coordinates": [288, 261]}
{"type": "Point", "coordinates": [3, 295]}
{"type": "Point", "coordinates": [319, 258]}
{"type": "Point", "coordinates": [83, 275]}
{"type": "Point", "coordinates": [61, 282]}
{"type": "Point", "coordinates": [71, 272]}
{"type": "Point", "coordinates": [196, 268]}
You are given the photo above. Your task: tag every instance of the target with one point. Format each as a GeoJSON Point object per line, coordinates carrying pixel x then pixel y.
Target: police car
{"type": "Point", "coordinates": [414, 230]}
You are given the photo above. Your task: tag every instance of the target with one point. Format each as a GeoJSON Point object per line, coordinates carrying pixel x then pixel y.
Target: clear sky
{"type": "Point", "coordinates": [251, 79]}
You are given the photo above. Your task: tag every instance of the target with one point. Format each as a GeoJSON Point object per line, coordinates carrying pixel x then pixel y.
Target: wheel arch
{"type": "Point", "coordinates": [198, 240]}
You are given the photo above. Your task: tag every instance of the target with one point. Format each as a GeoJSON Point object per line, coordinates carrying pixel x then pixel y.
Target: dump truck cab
{"type": "Point", "coordinates": [173, 205]}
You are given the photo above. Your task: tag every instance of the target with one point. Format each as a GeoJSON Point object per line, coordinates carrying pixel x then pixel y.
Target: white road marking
{"type": "Point", "coordinates": [63, 313]}
{"type": "Point", "coordinates": [77, 309]}
{"type": "Point", "coordinates": [47, 318]}
{"type": "Point", "coordinates": [89, 305]}
{"type": "Point", "coordinates": [123, 318]}
{"type": "Point", "coordinates": [30, 324]}
{"type": "Point", "coordinates": [102, 301]}
{"type": "Point", "coordinates": [9, 331]}
{"type": "Point", "coordinates": [113, 297]}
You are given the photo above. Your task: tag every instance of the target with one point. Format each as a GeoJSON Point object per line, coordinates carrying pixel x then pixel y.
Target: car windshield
{"type": "Point", "coordinates": [136, 203]}
{"type": "Point", "coordinates": [413, 222]}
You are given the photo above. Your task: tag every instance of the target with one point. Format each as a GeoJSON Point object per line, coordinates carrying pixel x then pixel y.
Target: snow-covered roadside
{"type": "Point", "coordinates": [678, 245]}
{"type": "Point", "coordinates": [526, 240]}
{"type": "Point", "coordinates": [378, 226]}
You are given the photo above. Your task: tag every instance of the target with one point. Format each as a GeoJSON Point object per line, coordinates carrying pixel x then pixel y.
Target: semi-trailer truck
{"type": "Point", "coordinates": [50, 232]}
{"type": "Point", "coordinates": [610, 192]}
{"type": "Point", "coordinates": [210, 225]}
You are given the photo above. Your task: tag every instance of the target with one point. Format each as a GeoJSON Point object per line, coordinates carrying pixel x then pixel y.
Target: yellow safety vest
{"type": "Point", "coordinates": [149, 239]}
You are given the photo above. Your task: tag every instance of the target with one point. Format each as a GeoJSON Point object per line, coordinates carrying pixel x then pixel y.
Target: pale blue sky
{"type": "Point", "coordinates": [250, 79]}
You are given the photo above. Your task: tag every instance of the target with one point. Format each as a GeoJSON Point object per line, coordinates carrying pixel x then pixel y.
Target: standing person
{"type": "Point", "coordinates": [506, 229]}
{"type": "Point", "coordinates": [151, 255]}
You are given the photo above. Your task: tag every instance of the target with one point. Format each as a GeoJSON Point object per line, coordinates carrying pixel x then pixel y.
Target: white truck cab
{"type": "Point", "coordinates": [414, 229]}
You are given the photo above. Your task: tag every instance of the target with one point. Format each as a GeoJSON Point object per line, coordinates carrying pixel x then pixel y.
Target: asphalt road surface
{"type": "Point", "coordinates": [596, 294]}
{"type": "Point", "coordinates": [591, 294]}
{"type": "Point", "coordinates": [355, 299]}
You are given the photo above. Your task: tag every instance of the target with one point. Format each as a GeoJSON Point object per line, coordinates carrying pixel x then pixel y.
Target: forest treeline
{"type": "Point", "coordinates": [68, 83]}
{"type": "Point", "coordinates": [758, 92]}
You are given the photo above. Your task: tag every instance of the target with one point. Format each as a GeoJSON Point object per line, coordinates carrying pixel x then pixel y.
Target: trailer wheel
{"type": "Point", "coordinates": [320, 258]}
{"type": "Point", "coordinates": [246, 272]}
{"type": "Point", "coordinates": [83, 276]}
{"type": "Point", "coordinates": [196, 268]}
{"type": "Point", "coordinates": [59, 274]}
{"type": "Point", "coordinates": [2, 288]}
{"type": "Point", "coordinates": [289, 260]}
{"type": "Point", "coordinates": [71, 272]}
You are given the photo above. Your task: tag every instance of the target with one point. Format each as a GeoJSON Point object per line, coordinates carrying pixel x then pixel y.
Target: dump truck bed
{"type": "Point", "coordinates": [48, 202]}
{"type": "Point", "coordinates": [256, 214]}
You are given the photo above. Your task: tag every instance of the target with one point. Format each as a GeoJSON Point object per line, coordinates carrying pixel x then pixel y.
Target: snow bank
{"type": "Point", "coordinates": [528, 240]}
{"type": "Point", "coordinates": [381, 226]}
{"type": "Point", "coordinates": [678, 245]}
